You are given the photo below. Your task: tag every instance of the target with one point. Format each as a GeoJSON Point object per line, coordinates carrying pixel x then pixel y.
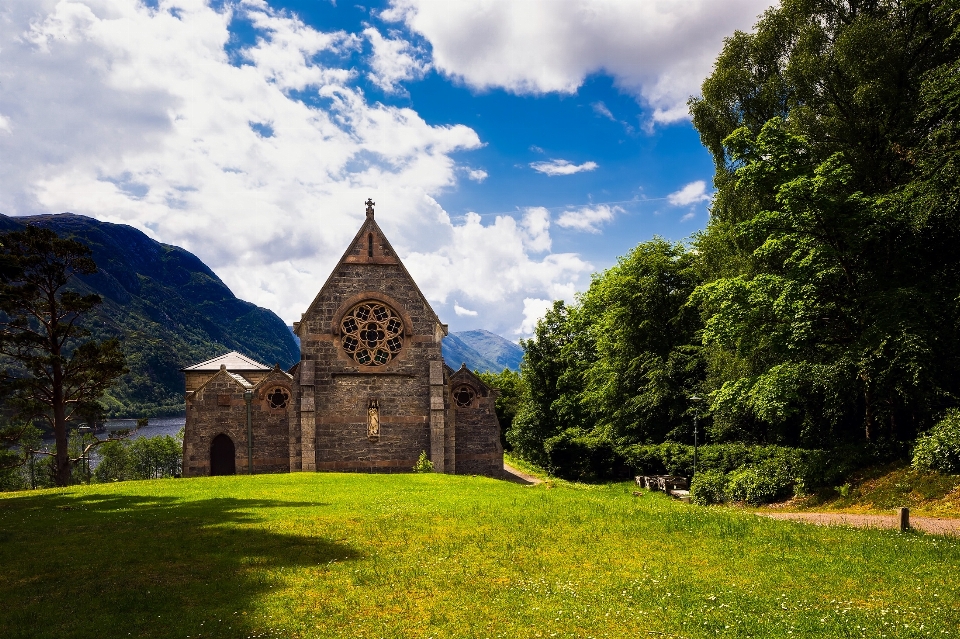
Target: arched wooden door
{"type": "Point", "coordinates": [223, 459]}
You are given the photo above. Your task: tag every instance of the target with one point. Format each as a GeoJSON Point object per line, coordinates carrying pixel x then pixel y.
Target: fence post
{"type": "Point", "coordinates": [904, 519]}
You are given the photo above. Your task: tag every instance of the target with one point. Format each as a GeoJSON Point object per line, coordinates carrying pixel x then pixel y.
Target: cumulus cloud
{"type": "Point", "coordinates": [463, 312]}
{"type": "Point", "coordinates": [477, 175]}
{"type": "Point", "coordinates": [690, 194]}
{"type": "Point", "coordinates": [659, 50]}
{"type": "Point", "coordinates": [588, 218]}
{"type": "Point", "coordinates": [562, 167]}
{"type": "Point", "coordinates": [394, 61]}
{"type": "Point", "coordinates": [533, 311]}
{"type": "Point", "coordinates": [143, 115]}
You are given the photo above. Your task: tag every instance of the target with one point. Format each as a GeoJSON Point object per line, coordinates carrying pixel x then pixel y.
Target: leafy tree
{"type": "Point", "coordinates": [552, 368]}
{"type": "Point", "coordinates": [829, 305]}
{"type": "Point", "coordinates": [56, 373]}
{"type": "Point", "coordinates": [644, 334]}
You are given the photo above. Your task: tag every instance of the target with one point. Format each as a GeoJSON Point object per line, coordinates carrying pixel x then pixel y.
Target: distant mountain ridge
{"type": "Point", "coordinates": [169, 309]}
{"type": "Point", "coordinates": [481, 351]}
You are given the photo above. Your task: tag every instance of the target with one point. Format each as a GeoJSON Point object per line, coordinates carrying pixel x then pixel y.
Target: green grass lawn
{"type": "Point", "coordinates": [328, 555]}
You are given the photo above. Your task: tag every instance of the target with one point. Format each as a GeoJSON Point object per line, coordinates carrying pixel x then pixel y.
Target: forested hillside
{"type": "Point", "coordinates": [820, 308]}
{"type": "Point", "coordinates": [167, 307]}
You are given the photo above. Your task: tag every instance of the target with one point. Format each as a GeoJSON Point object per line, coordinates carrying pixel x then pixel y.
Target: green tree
{"type": "Point", "coordinates": [647, 360]}
{"type": "Point", "coordinates": [829, 305]}
{"type": "Point", "coordinates": [55, 371]}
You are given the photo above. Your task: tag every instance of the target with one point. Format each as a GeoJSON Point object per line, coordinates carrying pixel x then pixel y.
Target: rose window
{"type": "Point", "coordinates": [372, 334]}
{"type": "Point", "coordinates": [463, 396]}
{"type": "Point", "coordinates": [278, 398]}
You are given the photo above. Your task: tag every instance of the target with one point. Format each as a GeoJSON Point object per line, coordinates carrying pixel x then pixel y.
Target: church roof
{"type": "Point", "coordinates": [369, 225]}
{"type": "Point", "coordinates": [233, 361]}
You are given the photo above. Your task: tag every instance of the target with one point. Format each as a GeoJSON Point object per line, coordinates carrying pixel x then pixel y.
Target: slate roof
{"type": "Point", "coordinates": [233, 360]}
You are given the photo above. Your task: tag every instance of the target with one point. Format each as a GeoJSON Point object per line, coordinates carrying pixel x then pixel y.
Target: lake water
{"type": "Point", "coordinates": [155, 427]}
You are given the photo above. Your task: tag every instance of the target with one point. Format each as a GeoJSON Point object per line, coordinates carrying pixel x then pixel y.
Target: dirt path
{"type": "Point", "coordinates": [932, 525]}
{"type": "Point", "coordinates": [518, 476]}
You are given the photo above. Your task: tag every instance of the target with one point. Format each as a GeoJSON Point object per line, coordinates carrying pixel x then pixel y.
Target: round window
{"type": "Point", "coordinates": [372, 333]}
{"type": "Point", "coordinates": [278, 398]}
{"type": "Point", "coordinates": [463, 396]}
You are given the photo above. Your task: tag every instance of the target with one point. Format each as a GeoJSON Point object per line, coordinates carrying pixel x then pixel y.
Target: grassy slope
{"type": "Point", "coordinates": [325, 555]}
{"type": "Point", "coordinates": [883, 489]}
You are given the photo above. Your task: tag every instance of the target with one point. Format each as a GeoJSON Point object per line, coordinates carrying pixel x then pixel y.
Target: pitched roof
{"type": "Point", "coordinates": [370, 225]}
{"type": "Point", "coordinates": [233, 360]}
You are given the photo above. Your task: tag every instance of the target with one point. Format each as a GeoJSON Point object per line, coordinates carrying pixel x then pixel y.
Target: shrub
{"type": "Point", "coordinates": [423, 465]}
{"type": "Point", "coordinates": [580, 456]}
{"type": "Point", "coordinates": [939, 448]}
{"type": "Point", "coordinates": [708, 487]}
{"type": "Point", "coordinates": [760, 484]}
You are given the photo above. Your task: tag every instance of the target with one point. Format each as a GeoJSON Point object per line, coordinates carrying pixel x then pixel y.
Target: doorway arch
{"type": "Point", "coordinates": [223, 460]}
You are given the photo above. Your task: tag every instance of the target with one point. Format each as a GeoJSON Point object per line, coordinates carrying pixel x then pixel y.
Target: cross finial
{"type": "Point", "coordinates": [370, 204]}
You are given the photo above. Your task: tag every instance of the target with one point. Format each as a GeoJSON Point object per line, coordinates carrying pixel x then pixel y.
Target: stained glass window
{"type": "Point", "coordinates": [372, 333]}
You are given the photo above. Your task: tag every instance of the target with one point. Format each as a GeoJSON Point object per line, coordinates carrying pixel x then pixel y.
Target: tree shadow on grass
{"type": "Point", "coordinates": [147, 566]}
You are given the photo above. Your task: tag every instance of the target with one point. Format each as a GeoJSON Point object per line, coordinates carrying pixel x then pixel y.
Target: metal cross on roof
{"type": "Point", "coordinates": [370, 204]}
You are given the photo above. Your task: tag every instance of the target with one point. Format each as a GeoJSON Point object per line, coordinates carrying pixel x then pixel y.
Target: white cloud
{"type": "Point", "coordinates": [562, 167]}
{"type": "Point", "coordinates": [533, 311]}
{"type": "Point", "coordinates": [5, 124]}
{"type": "Point", "coordinates": [689, 216]}
{"type": "Point", "coordinates": [588, 218]}
{"type": "Point", "coordinates": [601, 109]}
{"type": "Point", "coordinates": [463, 312]}
{"type": "Point", "coordinates": [659, 50]}
{"type": "Point", "coordinates": [394, 61]}
{"type": "Point", "coordinates": [690, 194]}
{"type": "Point", "coordinates": [140, 115]}
{"type": "Point", "coordinates": [477, 175]}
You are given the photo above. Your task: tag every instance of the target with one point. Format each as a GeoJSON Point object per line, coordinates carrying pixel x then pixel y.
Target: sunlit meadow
{"type": "Point", "coordinates": [328, 555]}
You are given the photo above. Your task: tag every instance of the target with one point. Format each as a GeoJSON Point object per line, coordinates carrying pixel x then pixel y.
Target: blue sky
{"type": "Point", "coordinates": [513, 148]}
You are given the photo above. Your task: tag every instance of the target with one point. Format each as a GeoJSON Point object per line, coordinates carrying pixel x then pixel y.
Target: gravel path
{"type": "Point", "coordinates": [518, 476]}
{"type": "Point", "coordinates": [932, 525]}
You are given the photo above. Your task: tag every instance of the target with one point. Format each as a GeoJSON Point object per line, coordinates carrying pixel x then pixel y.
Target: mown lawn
{"type": "Point", "coordinates": [327, 555]}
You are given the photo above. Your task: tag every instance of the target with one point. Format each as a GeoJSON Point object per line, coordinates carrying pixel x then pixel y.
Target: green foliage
{"type": "Point", "coordinates": [709, 487]}
{"type": "Point", "coordinates": [830, 258]}
{"type": "Point", "coordinates": [114, 463]}
{"type": "Point", "coordinates": [423, 465]}
{"type": "Point", "coordinates": [939, 449]}
{"type": "Point", "coordinates": [614, 369]}
{"type": "Point", "coordinates": [760, 484]}
{"type": "Point", "coordinates": [55, 369]}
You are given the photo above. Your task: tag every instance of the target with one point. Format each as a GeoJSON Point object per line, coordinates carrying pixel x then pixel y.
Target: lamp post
{"type": "Point", "coordinates": [695, 399]}
{"type": "Point", "coordinates": [83, 430]}
{"type": "Point", "coordinates": [248, 398]}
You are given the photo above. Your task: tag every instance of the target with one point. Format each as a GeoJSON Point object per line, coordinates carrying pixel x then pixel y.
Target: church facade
{"type": "Point", "coordinates": [370, 393]}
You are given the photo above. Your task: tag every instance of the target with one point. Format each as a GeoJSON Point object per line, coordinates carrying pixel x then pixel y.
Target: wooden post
{"type": "Point", "coordinates": [904, 519]}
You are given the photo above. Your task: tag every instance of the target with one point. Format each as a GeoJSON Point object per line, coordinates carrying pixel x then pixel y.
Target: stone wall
{"type": "Point", "coordinates": [219, 407]}
{"type": "Point", "coordinates": [478, 447]}
{"type": "Point", "coordinates": [336, 403]}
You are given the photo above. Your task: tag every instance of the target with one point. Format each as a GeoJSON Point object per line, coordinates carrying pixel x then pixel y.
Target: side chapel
{"type": "Point", "coordinates": [369, 394]}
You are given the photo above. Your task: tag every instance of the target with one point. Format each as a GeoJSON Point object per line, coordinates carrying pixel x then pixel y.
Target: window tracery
{"type": "Point", "coordinates": [278, 397]}
{"type": "Point", "coordinates": [464, 396]}
{"type": "Point", "coordinates": [372, 334]}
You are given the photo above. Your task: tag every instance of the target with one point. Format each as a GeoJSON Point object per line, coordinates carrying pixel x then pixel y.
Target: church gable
{"type": "Point", "coordinates": [369, 268]}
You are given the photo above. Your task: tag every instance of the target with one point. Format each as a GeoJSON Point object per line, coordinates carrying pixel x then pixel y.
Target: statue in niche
{"type": "Point", "coordinates": [373, 420]}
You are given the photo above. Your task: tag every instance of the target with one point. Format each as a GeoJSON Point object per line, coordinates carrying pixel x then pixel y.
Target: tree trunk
{"type": "Point", "coordinates": [868, 414]}
{"type": "Point", "coordinates": [60, 427]}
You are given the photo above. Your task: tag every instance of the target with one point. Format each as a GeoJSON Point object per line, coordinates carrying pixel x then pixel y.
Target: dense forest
{"type": "Point", "coordinates": [819, 310]}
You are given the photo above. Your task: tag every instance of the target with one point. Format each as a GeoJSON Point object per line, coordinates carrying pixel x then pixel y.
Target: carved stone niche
{"type": "Point", "coordinates": [373, 420]}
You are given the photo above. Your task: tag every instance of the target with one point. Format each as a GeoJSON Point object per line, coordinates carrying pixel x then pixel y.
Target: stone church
{"type": "Point", "coordinates": [369, 394]}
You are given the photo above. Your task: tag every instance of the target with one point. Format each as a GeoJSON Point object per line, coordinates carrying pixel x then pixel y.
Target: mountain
{"type": "Point", "coordinates": [481, 350]}
{"type": "Point", "coordinates": [167, 307]}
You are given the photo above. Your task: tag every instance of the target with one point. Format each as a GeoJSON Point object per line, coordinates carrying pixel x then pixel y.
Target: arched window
{"type": "Point", "coordinates": [370, 245]}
